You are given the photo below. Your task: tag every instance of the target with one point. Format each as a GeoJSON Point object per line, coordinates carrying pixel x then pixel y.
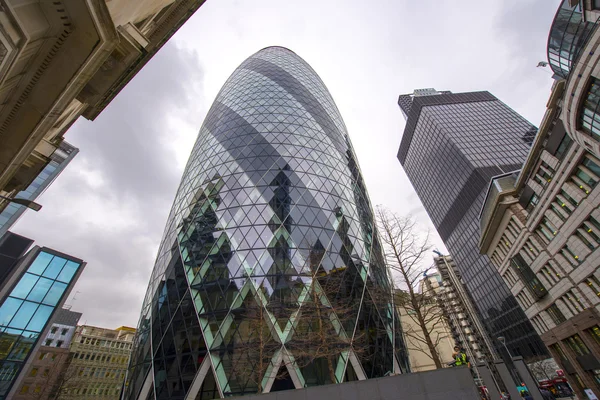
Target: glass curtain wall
{"type": "Point", "coordinates": [270, 275]}
{"type": "Point", "coordinates": [25, 312]}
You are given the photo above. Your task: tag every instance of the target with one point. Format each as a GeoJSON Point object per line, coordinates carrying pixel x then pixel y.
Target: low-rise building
{"type": "Point", "coordinates": [46, 376]}
{"type": "Point", "coordinates": [540, 226]}
{"type": "Point", "coordinates": [99, 359]}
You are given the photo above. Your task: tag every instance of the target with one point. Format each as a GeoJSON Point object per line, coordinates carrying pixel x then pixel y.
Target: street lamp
{"type": "Point", "coordinates": [24, 202]}
{"type": "Point", "coordinates": [502, 340]}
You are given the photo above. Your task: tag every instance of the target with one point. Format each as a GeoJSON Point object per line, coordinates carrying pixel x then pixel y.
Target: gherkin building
{"type": "Point", "coordinates": [270, 274]}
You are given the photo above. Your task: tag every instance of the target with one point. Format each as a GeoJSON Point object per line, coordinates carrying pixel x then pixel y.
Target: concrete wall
{"type": "Point", "coordinates": [441, 384]}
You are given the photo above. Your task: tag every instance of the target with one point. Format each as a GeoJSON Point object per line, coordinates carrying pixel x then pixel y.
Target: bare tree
{"type": "Point", "coordinates": [322, 333]}
{"type": "Point", "coordinates": [404, 250]}
{"type": "Point", "coordinates": [544, 369]}
{"type": "Point", "coordinates": [55, 379]}
{"type": "Point", "coordinates": [255, 345]}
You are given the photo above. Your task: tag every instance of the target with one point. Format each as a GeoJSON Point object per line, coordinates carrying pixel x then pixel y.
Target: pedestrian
{"type": "Point", "coordinates": [525, 395]}
{"type": "Point", "coordinates": [460, 358]}
{"type": "Point", "coordinates": [546, 394]}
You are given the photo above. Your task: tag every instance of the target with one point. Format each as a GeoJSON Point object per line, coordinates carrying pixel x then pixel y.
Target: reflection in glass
{"type": "Point", "coordinates": [68, 271]}
{"type": "Point", "coordinates": [22, 317]}
{"type": "Point", "coordinates": [40, 263]}
{"type": "Point", "coordinates": [24, 286]}
{"type": "Point", "coordinates": [27, 310]}
{"type": "Point", "coordinates": [39, 290]}
{"type": "Point", "coordinates": [568, 35]}
{"type": "Point", "coordinates": [54, 267]}
{"type": "Point", "coordinates": [40, 318]}
{"type": "Point", "coordinates": [8, 310]}
{"type": "Point", "coordinates": [55, 293]}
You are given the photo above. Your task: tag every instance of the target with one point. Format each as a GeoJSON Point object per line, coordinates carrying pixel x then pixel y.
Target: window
{"type": "Point", "coordinates": [596, 4]}
{"type": "Point", "coordinates": [549, 229]}
{"type": "Point", "coordinates": [64, 332]}
{"type": "Point", "coordinates": [42, 355]}
{"type": "Point", "coordinates": [593, 284]}
{"type": "Point", "coordinates": [576, 344]}
{"type": "Point", "coordinates": [568, 198]}
{"type": "Point", "coordinates": [570, 256]}
{"type": "Point", "coordinates": [572, 302]}
{"type": "Point", "coordinates": [54, 329]}
{"type": "Point", "coordinates": [563, 146]}
{"type": "Point", "coordinates": [59, 343]}
{"type": "Point", "coordinates": [550, 273]}
{"type": "Point", "coordinates": [33, 372]}
{"type": "Point", "coordinates": [49, 342]}
{"type": "Point", "coordinates": [557, 316]}
{"type": "Point", "coordinates": [543, 174]}
{"type": "Point", "coordinates": [532, 203]}
{"type": "Point", "coordinates": [587, 174]}
{"type": "Point", "coordinates": [560, 212]}
{"type": "Point", "coordinates": [25, 389]}
{"type": "Point", "coordinates": [589, 116]}
{"type": "Point", "coordinates": [595, 333]}
{"type": "Point", "coordinates": [580, 233]}
{"type": "Point", "coordinates": [592, 227]}
{"type": "Point", "coordinates": [536, 288]}
{"type": "Point", "coordinates": [558, 349]}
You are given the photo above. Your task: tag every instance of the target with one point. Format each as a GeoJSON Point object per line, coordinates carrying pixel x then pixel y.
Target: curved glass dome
{"type": "Point", "coordinates": [568, 35]}
{"type": "Point", "coordinates": [270, 274]}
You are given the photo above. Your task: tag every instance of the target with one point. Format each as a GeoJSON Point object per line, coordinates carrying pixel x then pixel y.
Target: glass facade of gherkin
{"type": "Point", "coordinates": [270, 275]}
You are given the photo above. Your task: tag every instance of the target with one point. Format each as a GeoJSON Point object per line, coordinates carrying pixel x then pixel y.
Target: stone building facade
{"type": "Point", "coordinates": [65, 58]}
{"type": "Point", "coordinates": [99, 358]}
{"type": "Point", "coordinates": [45, 376]}
{"type": "Point", "coordinates": [540, 226]}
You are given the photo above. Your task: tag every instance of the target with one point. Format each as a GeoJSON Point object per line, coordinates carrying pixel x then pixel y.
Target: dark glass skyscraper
{"type": "Point", "coordinates": [453, 144]}
{"type": "Point", "coordinates": [270, 274]}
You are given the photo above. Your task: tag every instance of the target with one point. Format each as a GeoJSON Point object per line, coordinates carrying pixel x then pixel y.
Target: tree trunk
{"type": "Point", "coordinates": [331, 370]}
{"type": "Point", "coordinates": [416, 307]}
{"type": "Point", "coordinates": [323, 335]}
{"type": "Point", "coordinates": [434, 354]}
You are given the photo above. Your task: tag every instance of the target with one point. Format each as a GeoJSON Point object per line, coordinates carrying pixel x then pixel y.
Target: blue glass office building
{"type": "Point", "coordinates": [61, 157]}
{"type": "Point", "coordinates": [270, 273]}
{"type": "Point", "coordinates": [37, 285]}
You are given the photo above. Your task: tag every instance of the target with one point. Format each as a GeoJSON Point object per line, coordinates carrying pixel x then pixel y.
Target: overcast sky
{"type": "Point", "coordinates": [110, 205]}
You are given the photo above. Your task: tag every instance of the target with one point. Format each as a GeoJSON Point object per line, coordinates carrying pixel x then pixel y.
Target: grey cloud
{"type": "Point", "coordinates": [110, 205]}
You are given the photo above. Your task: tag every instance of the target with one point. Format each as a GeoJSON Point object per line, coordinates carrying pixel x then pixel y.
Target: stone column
{"type": "Point", "coordinates": [506, 377]}
{"type": "Point", "coordinates": [488, 379]}
{"type": "Point", "coordinates": [530, 381]}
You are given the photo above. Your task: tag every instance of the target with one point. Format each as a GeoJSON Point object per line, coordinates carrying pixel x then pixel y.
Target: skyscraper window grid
{"type": "Point", "coordinates": [452, 145]}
